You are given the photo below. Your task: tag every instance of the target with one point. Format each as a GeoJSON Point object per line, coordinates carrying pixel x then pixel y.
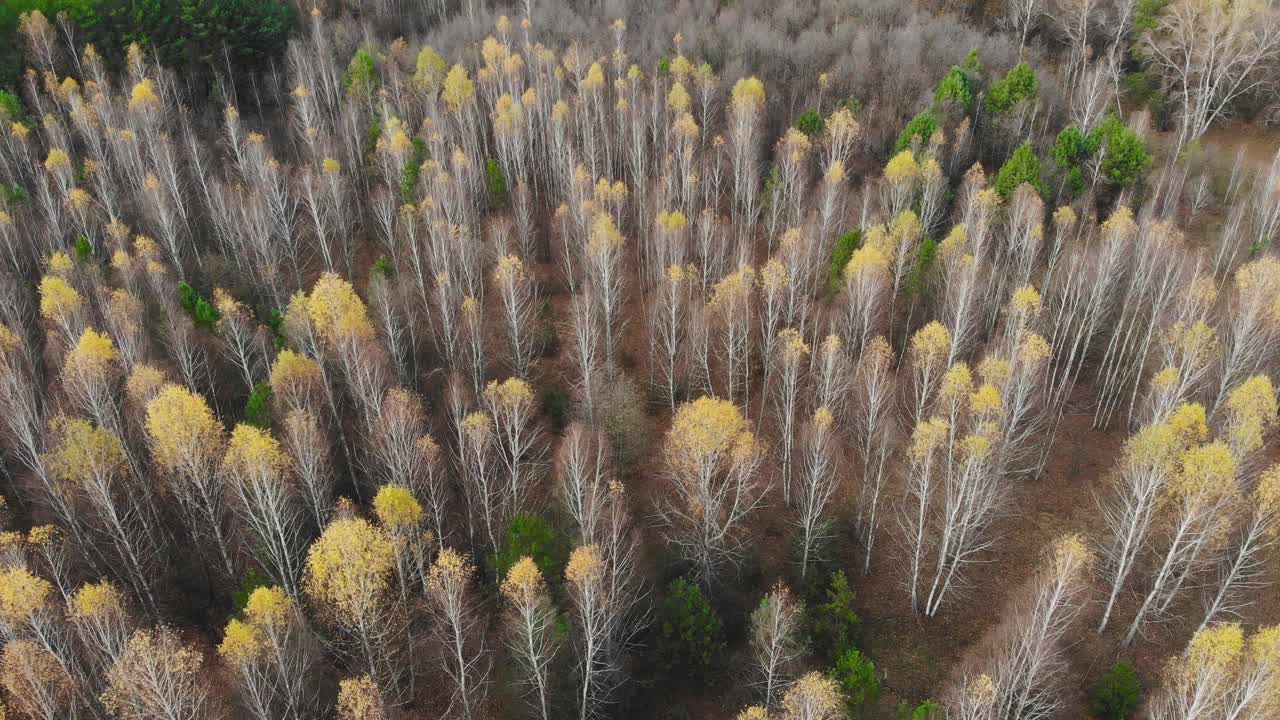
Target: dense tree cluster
{"type": "Point", "coordinates": [523, 366]}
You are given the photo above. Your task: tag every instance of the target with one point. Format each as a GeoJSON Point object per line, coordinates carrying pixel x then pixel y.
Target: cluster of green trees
{"type": "Point", "coordinates": [193, 36]}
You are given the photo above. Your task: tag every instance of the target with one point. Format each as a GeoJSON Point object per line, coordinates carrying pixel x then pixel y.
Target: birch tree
{"type": "Point", "coordinates": [776, 641]}
{"type": "Point", "coordinates": [712, 460]}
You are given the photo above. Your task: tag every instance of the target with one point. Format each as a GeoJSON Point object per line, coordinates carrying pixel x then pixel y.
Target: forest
{"type": "Point", "coordinates": [595, 360]}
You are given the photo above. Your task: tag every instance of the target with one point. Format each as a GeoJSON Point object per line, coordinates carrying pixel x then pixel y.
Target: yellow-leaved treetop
{"type": "Point", "coordinates": [58, 299]}
{"type": "Point", "coordinates": [96, 600]}
{"type": "Point", "coordinates": [704, 431]}
{"type": "Point", "coordinates": [712, 458]}
{"type": "Point", "coordinates": [253, 452]}
{"type": "Point", "coordinates": [241, 644]}
{"type": "Point", "coordinates": [295, 379]}
{"type": "Point", "coordinates": [336, 311]}
{"type": "Point", "coordinates": [21, 595]}
{"type": "Point", "coordinates": [349, 568]}
{"type": "Point", "coordinates": [397, 508]}
{"type": "Point", "coordinates": [358, 699]}
{"type": "Point", "coordinates": [1251, 414]}
{"type": "Point", "coordinates": [524, 581]}
{"type": "Point", "coordinates": [458, 88]}
{"type": "Point", "coordinates": [185, 435]}
{"type": "Point", "coordinates": [748, 93]}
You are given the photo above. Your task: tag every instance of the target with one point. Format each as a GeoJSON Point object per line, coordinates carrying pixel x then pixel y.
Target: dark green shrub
{"type": "Point", "coordinates": [690, 636]}
{"type": "Point", "coordinates": [84, 249]}
{"type": "Point", "coordinates": [770, 188]}
{"type": "Point", "coordinates": [810, 123]}
{"type": "Point", "coordinates": [555, 405]}
{"type": "Point", "coordinates": [257, 410]}
{"type": "Point", "coordinates": [927, 710]}
{"type": "Point", "coordinates": [412, 170]}
{"type": "Point", "coordinates": [202, 312]}
{"type": "Point", "coordinates": [250, 581]}
{"type": "Point", "coordinates": [973, 64]}
{"type": "Point", "coordinates": [1117, 693]}
{"type": "Point", "coordinates": [836, 623]}
{"type": "Point", "coordinates": [11, 195]}
{"type": "Point", "coordinates": [1018, 84]}
{"type": "Point", "coordinates": [194, 36]}
{"type": "Point", "coordinates": [496, 181]}
{"type": "Point", "coordinates": [530, 535]}
{"type": "Point", "coordinates": [955, 88]}
{"type": "Point", "coordinates": [664, 66]}
{"type": "Point", "coordinates": [922, 126]}
{"type": "Point", "coordinates": [858, 682]}
{"type": "Point", "coordinates": [11, 107]}
{"type": "Point", "coordinates": [187, 296]}
{"type": "Point", "coordinates": [382, 268]}
{"type": "Point", "coordinates": [206, 315]}
{"type": "Point", "coordinates": [840, 255]}
{"type": "Point", "coordinates": [276, 322]}
{"type": "Point", "coordinates": [1146, 15]}
{"type": "Point", "coordinates": [1071, 147]}
{"type": "Point", "coordinates": [361, 75]}
{"type": "Point", "coordinates": [1126, 156]}
{"type": "Point", "coordinates": [1021, 167]}
{"type": "Point", "coordinates": [917, 280]}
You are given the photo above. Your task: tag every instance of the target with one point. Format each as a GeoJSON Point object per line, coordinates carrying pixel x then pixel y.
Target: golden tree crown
{"type": "Point", "coordinates": [868, 260]}
{"type": "Point", "coordinates": [336, 311]}
{"type": "Point", "coordinates": [396, 507]}
{"type": "Point", "coordinates": [748, 94]}
{"type": "Point", "coordinates": [21, 594]}
{"type": "Point", "coordinates": [814, 695]}
{"type": "Point", "coordinates": [1189, 424]}
{"type": "Point", "coordinates": [351, 561]}
{"type": "Point", "coordinates": [672, 222]}
{"type": "Point", "coordinates": [704, 428]}
{"type": "Point", "coordinates": [524, 581]}
{"type": "Point", "coordinates": [57, 160]}
{"type": "Point", "coordinates": [450, 570]}
{"type": "Point", "coordinates": [931, 344]}
{"type": "Point", "coordinates": [143, 96]}
{"type": "Point", "coordinates": [179, 423]}
{"type": "Point", "coordinates": [510, 269]}
{"type": "Point", "coordinates": [458, 88]}
{"type": "Point", "coordinates": [81, 450]}
{"type": "Point", "coordinates": [91, 358]}
{"type": "Point", "coordinates": [358, 699]}
{"type": "Point", "coordinates": [269, 607]}
{"type": "Point", "coordinates": [901, 167]}
{"type": "Point", "coordinates": [985, 400]}
{"type": "Point", "coordinates": [252, 451]}
{"type": "Point", "coordinates": [291, 369]}
{"type": "Point", "coordinates": [510, 393]}
{"type": "Point", "coordinates": [58, 299]}
{"type": "Point", "coordinates": [96, 600]}
{"type": "Point", "coordinates": [1206, 471]}
{"type": "Point", "coordinates": [585, 565]}
{"type": "Point", "coordinates": [1252, 409]}
{"type": "Point", "coordinates": [1217, 646]}
{"type": "Point", "coordinates": [957, 383]}
{"type": "Point", "coordinates": [241, 643]}
{"type": "Point", "coordinates": [794, 348]}
{"type": "Point", "coordinates": [678, 98]}
{"type": "Point", "coordinates": [144, 383]}
{"type": "Point", "coordinates": [928, 436]}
